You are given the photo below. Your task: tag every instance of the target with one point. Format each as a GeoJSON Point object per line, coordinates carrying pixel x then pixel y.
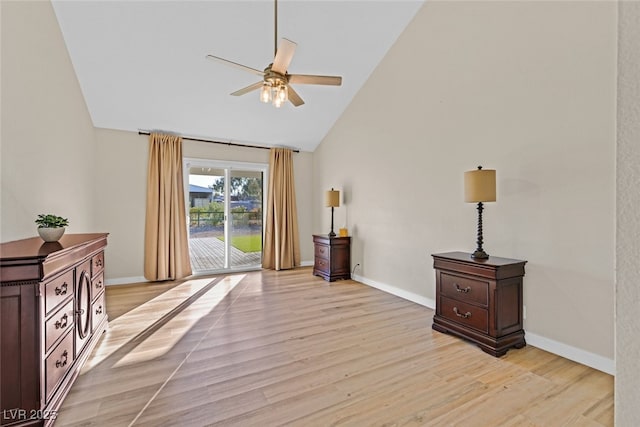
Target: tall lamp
{"type": "Point", "coordinates": [332, 200]}
{"type": "Point", "coordinates": [480, 187]}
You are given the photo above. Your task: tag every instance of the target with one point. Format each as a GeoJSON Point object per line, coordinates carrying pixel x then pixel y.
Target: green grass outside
{"type": "Point", "coordinates": [246, 243]}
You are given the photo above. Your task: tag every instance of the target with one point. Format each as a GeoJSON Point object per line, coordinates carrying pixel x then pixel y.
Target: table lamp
{"type": "Point", "coordinates": [332, 200]}
{"type": "Point", "coordinates": [480, 187]}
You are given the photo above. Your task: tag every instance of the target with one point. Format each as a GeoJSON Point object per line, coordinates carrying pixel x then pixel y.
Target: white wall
{"type": "Point", "coordinates": [627, 392]}
{"type": "Point", "coordinates": [47, 135]}
{"type": "Point", "coordinates": [122, 180]}
{"type": "Point", "coordinates": [527, 88]}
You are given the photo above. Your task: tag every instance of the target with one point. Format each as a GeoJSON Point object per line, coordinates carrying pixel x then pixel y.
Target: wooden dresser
{"type": "Point", "coordinates": [332, 257]}
{"type": "Point", "coordinates": [480, 300]}
{"type": "Point", "coordinates": [52, 313]}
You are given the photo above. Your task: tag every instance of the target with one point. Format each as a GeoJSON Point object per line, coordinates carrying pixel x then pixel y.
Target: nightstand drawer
{"type": "Point", "coordinates": [322, 265]}
{"type": "Point", "coordinates": [322, 251]}
{"type": "Point", "coordinates": [465, 314]}
{"type": "Point", "coordinates": [464, 289]}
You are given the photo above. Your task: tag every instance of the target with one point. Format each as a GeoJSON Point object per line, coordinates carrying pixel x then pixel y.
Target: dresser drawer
{"type": "Point", "coordinates": [58, 324]}
{"type": "Point", "coordinates": [97, 264]}
{"type": "Point", "coordinates": [98, 284]}
{"type": "Point", "coordinates": [58, 363]}
{"type": "Point", "coordinates": [464, 289]}
{"type": "Point", "coordinates": [99, 311]}
{"type": "Point", "coordinates": [322, 251]}
{"type": "Point", "coordinates": [465, 314]}
{"type": "Point", "coordinates": [58, 290]}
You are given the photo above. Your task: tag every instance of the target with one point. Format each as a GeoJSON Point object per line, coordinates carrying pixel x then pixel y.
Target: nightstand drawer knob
{"type": "Point", "coordinates": [464, 316]}
{"type": "Point", "coordinates": [464, 291]}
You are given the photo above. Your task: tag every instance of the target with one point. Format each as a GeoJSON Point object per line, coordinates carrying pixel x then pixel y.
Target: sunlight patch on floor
{"type": "Point", "coordinates": [166, 337]}
{"type": "Point", "coordinates": [127, 327]}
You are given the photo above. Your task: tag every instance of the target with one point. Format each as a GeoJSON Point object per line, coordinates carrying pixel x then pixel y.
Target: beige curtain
{"type": "Point", "coordinates": [282, 244]}
{"type": "Point", "coordinates": [166, 250]}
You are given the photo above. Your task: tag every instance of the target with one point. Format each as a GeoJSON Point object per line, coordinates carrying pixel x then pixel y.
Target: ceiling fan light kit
{"type": "Point", "coordinates": [275, 85]}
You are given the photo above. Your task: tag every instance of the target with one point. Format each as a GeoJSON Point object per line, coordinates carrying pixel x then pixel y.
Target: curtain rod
{"type": "Point", "coordinates": [210, 141]}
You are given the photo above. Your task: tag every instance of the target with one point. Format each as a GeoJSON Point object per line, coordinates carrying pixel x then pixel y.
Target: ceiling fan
{"type": "Point", "coordinates": [275, 86]}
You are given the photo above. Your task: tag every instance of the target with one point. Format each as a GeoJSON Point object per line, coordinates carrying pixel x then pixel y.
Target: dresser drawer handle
{"type": "Point", "coordinates": [63, 362]}
{"type": "Point", "coordinates": [99, 262]}
{"type": "Point", "coordinates": [99, 310]}
{"type": "Point", "coordinates": [99, 284]}
{"type": "Point", "coordinates": [464, 316]}
{"type": "Point", "coordinates": [62, 323]}
{"type": "Point", "coordinates": [464, 291]}
{"type": "Point", "coordinates": [62, 290]}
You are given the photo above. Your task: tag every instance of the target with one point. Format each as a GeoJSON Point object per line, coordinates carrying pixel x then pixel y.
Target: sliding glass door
{"type": "Point", "coordinates": [225, 204]}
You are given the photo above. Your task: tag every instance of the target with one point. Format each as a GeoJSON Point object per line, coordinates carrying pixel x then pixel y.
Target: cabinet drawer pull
{"type": "Point", "coordinates": [62, 323]}
{"type": "Point", "coordinates": [464, 316]}
{"type": "Point", "coordinates": [464, 291]}
{"type": "Point", "coordinates": [62, 290]}
{"type": "Point", "coordinates": [99, 262]}
{"type": "Point", "coordinates": [80, 312]}
{"type": "Point", "coordinates": [99, 284]}
{"type": "Point", "coordinates": [99, 310]}
{"type": "Point", "coordinates": [63, 361]}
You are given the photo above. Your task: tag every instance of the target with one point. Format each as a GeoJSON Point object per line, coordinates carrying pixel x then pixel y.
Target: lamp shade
{"type": "Point", "coordinates": [332, 198]}
{"type": "Point", "coordinates": [480, 186]}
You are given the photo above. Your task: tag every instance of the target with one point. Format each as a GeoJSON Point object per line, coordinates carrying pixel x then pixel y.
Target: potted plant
{"type": "Point", "coordinates": [51, 227]}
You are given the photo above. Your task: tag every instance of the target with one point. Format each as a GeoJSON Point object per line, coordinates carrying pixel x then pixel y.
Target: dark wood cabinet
{"type": "Point", "coordinates": [480, 300]}
{"type": "Point", "coordinates": [332, 257]}
{"type": "Point", "coordinates": [52, 314]}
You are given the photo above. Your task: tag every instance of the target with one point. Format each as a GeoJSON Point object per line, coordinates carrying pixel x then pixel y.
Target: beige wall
{"type": "Point", "coordinates": [122, 179]}
{"type": "Point", "coordinates": [47, 135]}
{"type": "Point", "coordinates": [527, 88]}
{"type": "Point", "coordinates": [627, 392]}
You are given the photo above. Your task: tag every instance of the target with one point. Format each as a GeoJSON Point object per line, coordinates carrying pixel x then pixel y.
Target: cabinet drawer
{"type": "Point", "coordinates": [322, 264]}
{"type": "Point", "coordinates": [322, 251]}
{"type": "Point", "coordinates": [58, 324]}
{"type": "Point", "coordinates": [99, 311]}
{"type": "Point", "coordinates": [98, 284]}
{"type": "Point", "coordinates": [97, 264]}
{"type": "Point", "coordinates": [465, 314]}
{"type": "Point", "coordinates": [58, 363]}
{"type": "Point", "coordinates": [58, 290]}
{"type": "Point", "coordinates": [464, 289]}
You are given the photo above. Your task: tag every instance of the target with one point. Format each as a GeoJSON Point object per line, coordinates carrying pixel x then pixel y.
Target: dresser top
{"type": "Point", "coordinates": [492, 261]}
{"type": "Point", "coordinates": [35, 247]}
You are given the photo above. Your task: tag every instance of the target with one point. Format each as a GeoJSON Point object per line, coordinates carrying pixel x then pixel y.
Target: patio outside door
{"type": "Point", "coordinates": [225, 211]}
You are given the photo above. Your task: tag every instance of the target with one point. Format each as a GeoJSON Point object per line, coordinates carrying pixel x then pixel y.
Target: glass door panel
{"type": "Point", "coordinates": [245, 213]}
{"type": "Point", "coordinates": [225, 215]}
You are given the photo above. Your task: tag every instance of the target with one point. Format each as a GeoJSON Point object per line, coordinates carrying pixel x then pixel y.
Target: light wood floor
{"type": "Point", "coordinates": [270, 348]}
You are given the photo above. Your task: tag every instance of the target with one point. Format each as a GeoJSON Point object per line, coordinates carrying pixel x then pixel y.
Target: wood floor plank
{"type": "Point", "coordinates": [273, 348]}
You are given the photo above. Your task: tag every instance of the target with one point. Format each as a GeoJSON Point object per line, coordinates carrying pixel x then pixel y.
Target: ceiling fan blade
{"type": "Point", "coordinates": [284, 55]}
{"type": "Point", "coordinates": [294, 97]}
{"type": "Point", "coordinates": [306, 79]}
{"type": "Point", "coordinates": [235, 64]}
{"type": "Point", "coordinates": [248, 89]}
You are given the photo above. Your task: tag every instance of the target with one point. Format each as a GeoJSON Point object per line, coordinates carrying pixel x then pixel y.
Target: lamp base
{"type": "Point", "coordinates": [332, 234]}
{"type": "Point", "coordinates": [480, 254]}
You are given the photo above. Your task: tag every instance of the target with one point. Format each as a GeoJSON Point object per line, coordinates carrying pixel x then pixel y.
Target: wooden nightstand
{"type": "Point", "coordinates": [480, 300]}
{"type": "Point", "coordinates": [332, 257]}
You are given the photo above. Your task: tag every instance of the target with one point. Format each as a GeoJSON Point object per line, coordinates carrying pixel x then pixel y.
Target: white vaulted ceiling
{"type": "Point", "coordinates": [141, 64]}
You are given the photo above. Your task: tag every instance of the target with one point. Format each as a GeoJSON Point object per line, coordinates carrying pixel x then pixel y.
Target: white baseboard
{"type": "Point", "coordinates": [568, 352]}
{"type": "Point", "coordinates": [410, 296]}
{"type": "Point", "coordinates": [306, 264]}
{"type": "Point", "coordinates": [584, 357]}
{"type": "Point", "coordinates": [125, 281]}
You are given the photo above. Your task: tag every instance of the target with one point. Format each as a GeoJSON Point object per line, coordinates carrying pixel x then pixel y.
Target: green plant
{"type": "Point", "coordinates": [51, 221]}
